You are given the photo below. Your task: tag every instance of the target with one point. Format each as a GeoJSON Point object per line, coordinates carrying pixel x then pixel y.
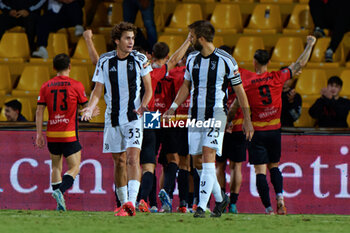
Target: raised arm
{"type": "Point", "coordinates": [304, 57]}
{"type": "Point", "coordinates": [91, 47]}
{"type": "Point", "coordinates": [179, 54]}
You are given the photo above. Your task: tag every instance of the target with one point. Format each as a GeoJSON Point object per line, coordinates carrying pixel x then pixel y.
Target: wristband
{"type": "Point", "coordinates": [174, 106]}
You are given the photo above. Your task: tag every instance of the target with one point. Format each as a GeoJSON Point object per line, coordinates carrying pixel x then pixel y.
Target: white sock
{"type": "Point", "coordinates": [122, 193]}
{"type": "Point", "coordinates": [207, 180]}
{"type": "Point", "coordinates": [133, 189]}
{"type": "Point", "coordinates": [217, 190]}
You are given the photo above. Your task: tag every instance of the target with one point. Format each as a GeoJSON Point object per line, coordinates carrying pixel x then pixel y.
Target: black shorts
{"type": "Point", "coordinates": [172, 140]}
{"type": "Point", "coordinates": [234, 148]}
{"type": "Point", "coordinates": [265, 147]}
{"type": "Point", "coordinates": [148, 150]}
{"type": "Point", "coordinates": [65, 148]}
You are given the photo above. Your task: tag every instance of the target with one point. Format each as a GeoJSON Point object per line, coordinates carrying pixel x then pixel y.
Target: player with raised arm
{"type": "Point", "coordinates": [121, 72]}
{"type": "Point", "coordinates": [208, 73]}
{"type": "Point", "coordinates": [61, 95]}
{"type": "Point", "coordinates": [264, 91]}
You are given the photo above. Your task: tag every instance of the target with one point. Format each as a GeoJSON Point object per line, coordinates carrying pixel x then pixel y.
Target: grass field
{"type": "Point", "coordinates": [13, 221]}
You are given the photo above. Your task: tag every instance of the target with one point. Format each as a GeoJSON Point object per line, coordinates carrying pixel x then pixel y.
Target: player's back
{"type": "Point", "coordinates": [264, 96]}
{"type": "Point", "coordinates": [62, 95]}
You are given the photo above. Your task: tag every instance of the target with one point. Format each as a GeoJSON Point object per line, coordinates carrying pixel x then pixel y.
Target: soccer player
{"type": "Point", "coordinates": [264, 91]}
{"type": "Point", "coordinates": [121, 72]}
{"type": "Point", "coordinates": [61, 95]}
{"type": "Point", "coordinates": [234, 149]}
{"type": "Point", "coordinates": [161, 64]}
{"type": "Point", "coordinates": [208, 72]}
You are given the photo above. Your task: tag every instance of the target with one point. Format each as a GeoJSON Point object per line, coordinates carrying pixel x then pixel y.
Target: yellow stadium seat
{"type": "Point", "coordinates": [348, 120]}
{"type": "Point", "coordinates": [300, 22]}
{"type": "Point", "coordinates": [245, 49]}
{"type": "Point", "coordinates": [14, 51]}
{"type": "Point", "coordinates": [184, 15]}
{"type": "Point", "coordinates": [305, 120]}
{"type": "Point", "coordinates": [27, 110]}
{"type": "Point", "coordinates": [317, 59]}
{"type": "Point", "coordinates": [345, 76]}
{"type": "Point", "coordinates": [227, 18]}
{"type": "Point", "coordinates": [304, 1]}
{"type": "Point", "coordinates": [80, 73]}
{"type": "Point", "coordinates": [238, 1]}
{"type": "Point", "coordinates": [31, 81]}
{"type": "Point", "coordinates": [6, 83]}
{"type": "Point", "coordinates": [265, 19]}
{"type": "Point", "coordinates": [101, 117]}
{"type": "Point", "coordinates": [218, 41]}
{"type": "Point", "coordinates": [276, 1]}
{"type": "Point", "coordinates": [310, 82]}
{"type": "Point", "coordinates": [286, 51]}
{"type": "Point", "coordinates": [173, 41]}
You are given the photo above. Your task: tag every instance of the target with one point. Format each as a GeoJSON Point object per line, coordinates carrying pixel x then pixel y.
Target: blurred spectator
{"type": "Point", "coordinates": [13, 110]}
{"type": "Point", "coordinates": [291, 104]}
{"type": "Point", "coordinates": [59, 14]}
{"type": "Point", "coordinates": [331, 110]}
{"type": "Point", "coordinates": [333, 15]}
{"type": "Point", "coordinates": [20, 13]}
{"type": "Point", "coordinates": [130, 9]}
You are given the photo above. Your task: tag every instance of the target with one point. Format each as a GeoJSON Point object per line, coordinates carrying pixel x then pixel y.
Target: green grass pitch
{"type": "Point", "coordinates": [33, 221]}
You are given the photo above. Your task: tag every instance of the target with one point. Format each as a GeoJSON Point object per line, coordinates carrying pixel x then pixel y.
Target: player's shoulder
{"type": "Point", "coordinates": [107, 55]}
{"type": "Point", "coordinates": [193, 54]}
{"type": "Point", "coordinates": [139, 56]}
{"type": "Point", "coordinates": [225, 56]}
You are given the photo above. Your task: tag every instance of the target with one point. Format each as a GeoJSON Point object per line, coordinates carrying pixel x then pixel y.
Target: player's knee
{"type": "Point", "coordinates": [132, 160]}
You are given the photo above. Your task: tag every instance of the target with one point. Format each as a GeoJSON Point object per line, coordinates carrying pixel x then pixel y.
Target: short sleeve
{"type": "Point", "coordinates": [146, 68]}
{"type": "Point", "coordinates": [233, 74]}
{"type": "Point", "coordinates": [187, 75]}
{"type": "Point", "coordinates": [82, 99]}
{"type": "Point", "coordinates": [98, 75]}
{"type": "Point", "coordinates": [41, 97]}
{"type": "Point", "coordinates": [284, 74]}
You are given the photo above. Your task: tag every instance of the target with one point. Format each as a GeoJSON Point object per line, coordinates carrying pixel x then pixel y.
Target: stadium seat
{"type": "Point", "coordinates": [226, 18]}
{"type": "Point", "coordinates": [245, 49]}
{"type": "Point", "coordinates": [101, 117]}
{"type": "Point", "coordinates": [218, 41]}
{"type": "Point", "coordinates": [310, 82]}
{"type": "Point", "coordinates": [286, 51]}
{"type": "Point", "coordinates": [300, 22]}
{"type": "Point", "coordinates": [6, 83]}
{"type": "Point", "coordinates": [265, 19]}
{"type": "Point", "coordinates": [276, 1]}
{"type": "Point", "coordinates": [345, 77]}
{"type": "Point", "coordinates": [81, 54]}
{"type": "Point", "coordinates": [80, 73]}
{"type": "Point", "coordinates": [27, 110]}
{"type": "Point", "coordinates": [173, 41]}
{"type": "Point", "coordinates": [305, 120]}
{"type": "Point", "coordinates": [304, 1]}
{"type": "Point", "coordinates": [31, 81]}
{"type": "Point", "coordinates": [14, 51]}
{"type": "Point", "coordinates": [238, 1]}
{"type": "Point", "coordinates": [317, 59]}
{"type": "Point", "coordinates": [184, 15]}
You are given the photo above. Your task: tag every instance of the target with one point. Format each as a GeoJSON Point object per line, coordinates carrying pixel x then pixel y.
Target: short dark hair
{"type": "Point", "coordinates": [118, 30]}
{"type": "Point", "coordinates": [160, 50]}
{"type": "Point", "coordinates": [61, 62]}
{"type": "Point", "coordinates": [335, 80]}
{"type": "Point", "coordinates": [15, 105]}
{"type": "Point", "coordinates": [203, 28]}
{"type": "Point", "coordinates": [262, 56]}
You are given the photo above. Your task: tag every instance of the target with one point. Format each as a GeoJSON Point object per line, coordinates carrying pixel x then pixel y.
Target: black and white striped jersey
{"type": "Point", "coordinates": [210, 77]}
{"type": "Point", "coordinates": [122, 80]}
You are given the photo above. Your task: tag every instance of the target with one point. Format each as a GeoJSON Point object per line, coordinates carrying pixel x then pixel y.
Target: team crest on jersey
{"type": "Point", "coordinates": [212, 65]}
{"type": "Point", "coordinates": [131, 66]}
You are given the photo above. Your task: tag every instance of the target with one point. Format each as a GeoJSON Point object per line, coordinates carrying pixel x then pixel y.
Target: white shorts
{"type": "Point", "coordinates": [211, 137]}
{"type": "Point", "coordinates": [118, 139]}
